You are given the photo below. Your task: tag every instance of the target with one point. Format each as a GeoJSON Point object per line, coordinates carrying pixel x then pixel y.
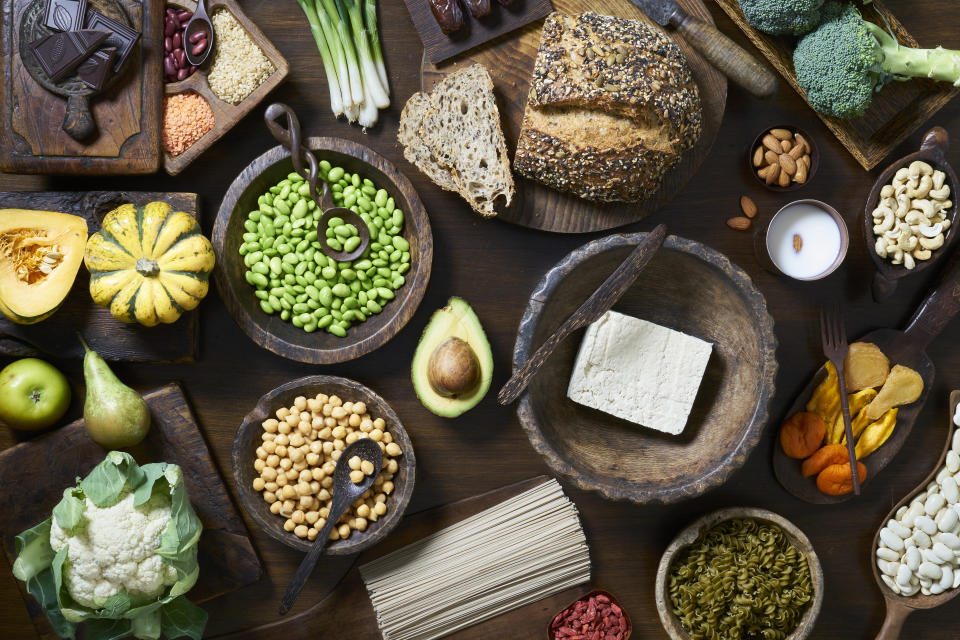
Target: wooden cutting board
{"type": "Point", "coordinates": [510, 60]}
{"type": "Point", "coordinates": [127, 114]}
{"type": "Point", "coordinates": [227, 557]}
{"type": "Point", "coordinates": [348, 607]}
{"type": "Point", "coordinates": [114, 340]}
{"type": "Point", "coordinates": [897, 110]}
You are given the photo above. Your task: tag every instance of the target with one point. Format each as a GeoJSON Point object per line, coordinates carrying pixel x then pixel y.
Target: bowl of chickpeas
{"type": "Point", "coordinates": [288, 446]}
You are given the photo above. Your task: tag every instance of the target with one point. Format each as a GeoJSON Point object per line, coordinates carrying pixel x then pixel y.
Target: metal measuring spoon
{"type": "Point", "coordinates": [345, 493]}
{"type": "Point", "coordinates": [199, 24]}
{"type": "Point", "coordinates": [289, 137]}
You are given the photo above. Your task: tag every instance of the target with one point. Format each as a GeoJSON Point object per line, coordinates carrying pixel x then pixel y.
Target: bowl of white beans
{"type": "Point", "coordinates": [288, 446]}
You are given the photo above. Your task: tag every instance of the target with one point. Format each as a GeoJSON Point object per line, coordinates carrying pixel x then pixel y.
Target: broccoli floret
{"type": "Point", "coordinates": [793, 17]}
{"type": "Point", "coordinates": [847, 59]}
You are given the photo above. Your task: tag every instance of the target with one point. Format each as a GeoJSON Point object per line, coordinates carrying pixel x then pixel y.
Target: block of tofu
{"type": "Point", "coordinates": [639, 371]}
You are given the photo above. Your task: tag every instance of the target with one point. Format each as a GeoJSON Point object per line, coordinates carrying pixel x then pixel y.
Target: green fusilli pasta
{"type": "Point", "coordinates": [740, 580]}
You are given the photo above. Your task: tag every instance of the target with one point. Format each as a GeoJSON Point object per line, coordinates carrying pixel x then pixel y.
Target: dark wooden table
{"type": "Point", "coordinates": [494, 265]}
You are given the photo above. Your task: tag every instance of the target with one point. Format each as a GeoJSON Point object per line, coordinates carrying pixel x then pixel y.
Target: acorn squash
{"type": "Point", "coordinates": [149, 264]}
{"type": "Point", "coordinates": [40, 255]}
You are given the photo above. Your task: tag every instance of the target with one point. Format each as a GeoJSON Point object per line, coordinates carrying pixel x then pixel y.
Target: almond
{"type": "Point", "coordinates": [801, 174]}
{"type": "Point", "coordinates": [770, 156]}
{"type": "Point", "coordinates": [803, 141]}
{"type": "Point", "coordinates": [739, 223]}
{"type": "Point", "coordinates": [781, 134]}
{"type": "Point", "coordinates": [784, 180]}
{"type": "Point", "coordinates": [771, 143]}
{"type": "Point", "coordinates": [758, 156]}
{"type": "Point", "coordinates": [774, 171]}
{"type": "Point", "coordinates": [748, 206]}
{"type": "Point", "coordinates": [787, 163]}
{"type": "Point", "coordinates": [797, 245]}
{"type": "Point", "coordinates": [785, 145]}
{"type": "Point", "coordinates": [796, 152]}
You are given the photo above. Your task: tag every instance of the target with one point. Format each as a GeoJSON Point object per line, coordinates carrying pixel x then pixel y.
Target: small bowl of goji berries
{"type": "Point", "coordinates": [595, 615]}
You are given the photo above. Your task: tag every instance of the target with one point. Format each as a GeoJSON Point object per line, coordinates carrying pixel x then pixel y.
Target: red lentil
{"type": "Point", "coordinates": [186, 118]}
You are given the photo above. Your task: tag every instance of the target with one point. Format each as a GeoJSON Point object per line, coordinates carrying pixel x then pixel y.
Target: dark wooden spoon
{"type": "Point", "coordinates": [899, 607]}
{"type": "Point", "coordinates": [907, 348]}
{"type": "Point", "coordinates": [345, 493]}
{"type": "Point", "coordinates": [933, 151]}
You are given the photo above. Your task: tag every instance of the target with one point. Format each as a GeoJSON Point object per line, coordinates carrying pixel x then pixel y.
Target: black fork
{"type": "Point", "coordinates": [833, 336]}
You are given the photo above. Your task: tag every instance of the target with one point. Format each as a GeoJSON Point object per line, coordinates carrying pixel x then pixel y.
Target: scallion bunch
{"type": "Point", "coordinates": [349, 43]}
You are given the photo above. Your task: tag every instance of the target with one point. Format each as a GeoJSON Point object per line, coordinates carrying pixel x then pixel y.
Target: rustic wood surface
{"type": "Point", "coordinates": [495, 266]}
{"type": "Point", "coordinates": [439, 46]}
{"type": "Point", "coordinates": [933, 149]}
{"type": "Point", "coordinates": [907, 348]}
{"type": "Point", "coordinates": [248, 439]}
{"type": "Point", "coordinates": [227, 557]}
{"type": "Point", "coordinates": [899, 607]}
{"type": "Point", "coordinates": [281, 337]}
{"type": "Point", "coordinates": [897, 111]}
{"type": "Point", "coordinates": [510, 61]}
{"type": "Point", "coordinates": [225, 115]}
{"type": "Point", "coordinates": [127, 112]}
{"type": "Point", "coordinates": [623, 461]}
{"type": "Point", "coordinates": [111, 338]}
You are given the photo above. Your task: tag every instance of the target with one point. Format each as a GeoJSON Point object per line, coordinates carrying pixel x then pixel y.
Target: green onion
{"type": "Point", "coordinates": [329, 64]}
{"type": "Point", "coordinates": [370, 9]}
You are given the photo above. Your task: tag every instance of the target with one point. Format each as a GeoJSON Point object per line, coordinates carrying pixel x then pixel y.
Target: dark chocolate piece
{"type": "Point", "coordinates": [94, 70]}
{"type": "Point", "coordinates": [122, 38]}
{"type": "Point", "coordinates": [60, 53]}
{"type": "Point", "coordinates": [65, 15]}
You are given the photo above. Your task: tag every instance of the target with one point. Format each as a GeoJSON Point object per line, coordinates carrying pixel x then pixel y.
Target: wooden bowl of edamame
{"type": "Point", "coordinates": [280, 288]}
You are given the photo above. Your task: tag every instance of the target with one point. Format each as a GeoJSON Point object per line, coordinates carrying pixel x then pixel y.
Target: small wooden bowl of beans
{"type": "Point", "coordinates": [285, 452]}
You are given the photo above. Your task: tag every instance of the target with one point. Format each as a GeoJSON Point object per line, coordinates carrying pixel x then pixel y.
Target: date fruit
{"type": "Point", "coordinates": [448, 15]}
{"type": "Point", "coordinates": [478, 8]}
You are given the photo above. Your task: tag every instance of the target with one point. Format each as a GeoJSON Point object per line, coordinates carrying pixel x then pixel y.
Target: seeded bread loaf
{"type": "Point", "coordinates": [612, 107]}
{"type": "Point", "coordinates": [454, 136]}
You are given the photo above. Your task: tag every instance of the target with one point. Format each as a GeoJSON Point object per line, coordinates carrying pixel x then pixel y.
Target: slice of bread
{"type": "Point", "coordinates": [458, 134]}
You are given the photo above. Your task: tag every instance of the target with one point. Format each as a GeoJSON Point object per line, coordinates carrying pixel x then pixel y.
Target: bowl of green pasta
{"type": "Point", "coordinates": [739, 572]}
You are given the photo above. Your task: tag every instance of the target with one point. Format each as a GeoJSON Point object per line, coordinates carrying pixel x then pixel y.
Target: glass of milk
{"type": "Point", "coordinates": [807, 240]}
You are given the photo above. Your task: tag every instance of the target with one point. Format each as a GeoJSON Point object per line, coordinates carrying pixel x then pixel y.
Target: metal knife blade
{"type": "Point", "coordinates": [661, 11]}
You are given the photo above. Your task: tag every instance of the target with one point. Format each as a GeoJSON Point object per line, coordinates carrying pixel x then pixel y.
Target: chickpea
{"type": "Point", "coordinates": [292, 419]}
{"type": "Point", "coordinates": [353, 420]}
{"type": "Point", "coordinates": [338, 445]}
{"type": "Point", "coordinates": [269, 497]}
{"type": "Point", "coordinates": [282, 451]}
{"type": "Point", "coordinates": [323, 495]}
{"type": "Point", "coordinates": [365, 495]}
{"type": "Point", "coordinates": [295, 454]}
{"type": "Point", "coordinates": [286, 464]}
{"type": "Point", "coordinates": [351, 438]}
{"type": "Point", "coordinates": [303, 489]}
{"type": "Point", "coordinates": [339, 433]}
{"type": "Point", "coordinates": [317, 473]}
{"type": "Point", "coordinates": [297, 516]}
{"type": "Point", "coordinates": [367, 467]}
{"type": "Point", "coordinates": [296, 439]}
{"type": "Point", "coordinates": [273, 460]}
{"type": "Point", "coordinates": [313, 533]}
{"type": "Point", "coordinates": [275, 508]}
{"type": "Point", "coordinates": [301, 531]}
{"type": "Point", "coordinates": [381, 497]}
{"type": "Point", "coordinates": [316, 423]}
{"type": "Point", "coordinates": [354, 462]}
{"type": "Point", "coordinates": [282, 480]}
{"type": "Point", "coordinates": [304, 429]}
{"type": "Point", "coordinates": [356, 477]}
{"type": "Point", "coordinates": [282, 439]}
{"type": "Point", "coordinates": [324, 512]}
{"type": "Point", "coordinates": [267, 437]}
{"type": "Point", "coordinates": [335, 401]}
{"type": "Point", "coordinates": [363, 510]}
{"type": "Point", "coordinates": [335, 535]}
{"type": "Point", "coordinates": [289, 525]}
{"type": "Point", "coordinates": [300, 403]}
{"type": "Point", "coordinates": [392, 466]}
{"type": "Point", "coordinates": [366, 425]}
{"type": "Point", "coordinates": [314, 487]}
{"type": "Point", "coordinates": [270, 425]}
{"type": "Point", "coordinates": [359, 408]}
{"type": "Point", "coordinates": [327, 482]}
{"type": "Point", "coordinates": [381, 508]}
{"type": "Point", "coordinates": [287, 508]}
{"type": "Point", "coordinates": [283, 428]}
{"type": "Point", "coordinates": [259, 465]}
{"type": "Point", "coordinates": [337, 451]}
{"type": "Point", "coordinates": [313, 459]}
{"type": "Point", "coordinates": [271, 486]}
{"type": "Point", "coordinates": [322, 398]}
{"type": "Point", "coordinates": [259, 484]}
{"type": "Point", "coordinates": [361, 524]}
{"type": "Point", "coordinates": [291, 475]}
{"type": "Point", "coordinates": [283, 412]}
{"type": "Point", "coordinates": [299, 466]}
{"type": "Point", "coordinates": [393, 449]}
{"type": "Point", "coordinates": [376, 435]}
{"type": "Point", "coordinates": [270, 447]}
{"type": "Point", "coordinates": [311, 517]}
{"type": "Point", "coordinates": [327, 447]}
{"type": "Point", "coordinates": [379, 481]}
{"type": "Point", "coordinates": [387, 437]}
{"type": "Point", "coordinates": [344, 531]}
{"type": "Point", "coordinates": [388, 487]}
{"type": "Point", "coordinates": [288, 492]}
{"type": "Point", "coordinates": [314, 405]}
{"type": "Point", "coordinates": [327, 409]}
{"type": "Point", "coordinates": [348, 407]}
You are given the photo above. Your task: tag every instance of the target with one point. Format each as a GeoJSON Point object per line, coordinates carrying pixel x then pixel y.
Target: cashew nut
{"type": "Point", "coordinates": [919, 168]}
{"type": "Point", "coordinates": [914, 217]}
{"type": "Point", "coordinates": [908, 242]}
{"type": "Point", "coordinates": [903, 205]}
{"type": "Point", "coordinates": [940, 193]}
{"type": "Point", "coordinates": [910, 220]}
{"type": "Point", "coordinates": [939, 177]}
{"type": "Point", "coordinates": [926, 206]}
{"type": "Point", "coordinates": [886, 192]}
{"type": "Point", "coordinates": [922, 189]}
{"type": "Point", "coordinates": [881, 249]}
{"type": "Point", "coordinates": [898, 178]}
{"type": "Point", "coordinates": [931, 243]}
{"type": "Point", "coordinates": [908, 262]}
{"type": "Point", "coordinates": [929, 231]}
{"type": "Point", "coordinates": [922, 254]}
{"type": "Point", "coordinates": [897, 258]}
{"type": "Point", "coordinates": [887, 223]}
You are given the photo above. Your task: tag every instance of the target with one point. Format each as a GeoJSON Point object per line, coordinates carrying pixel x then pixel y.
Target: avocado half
{"type": "Point", "coordinates": [453, 338]}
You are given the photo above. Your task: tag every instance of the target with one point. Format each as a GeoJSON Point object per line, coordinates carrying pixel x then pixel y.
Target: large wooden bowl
{"type": "Point", "coordinates": [686, 537]}
{"type": "Point", "coordinates": [688, 287]}
{"type": "Point", "coordinates": [248, 439]}
{"type": "Point", "coordinates": [282, 338]}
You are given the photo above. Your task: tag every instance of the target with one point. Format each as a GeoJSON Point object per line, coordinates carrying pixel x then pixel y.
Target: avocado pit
{"type": "Point", "coordinates": [453, 368]}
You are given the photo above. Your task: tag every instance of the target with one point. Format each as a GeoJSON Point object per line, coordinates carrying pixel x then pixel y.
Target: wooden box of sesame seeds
{"type": "Point", "coordinates": [241, 70]}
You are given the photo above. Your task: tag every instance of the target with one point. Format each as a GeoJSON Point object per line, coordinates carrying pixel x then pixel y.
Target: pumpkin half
{"type": "Point", "coordinates": [40, 254]}
{"type": "Point", "coordinates": [149, 264]}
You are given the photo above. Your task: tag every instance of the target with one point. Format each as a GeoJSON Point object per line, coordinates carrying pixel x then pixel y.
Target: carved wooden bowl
{"type": "Point", "coordinates": [686, 537]}
{"type": "Point", "coordinates": [688, 287]}
{"type": "Point", "coordinates": [248, 438]}
{"type": "Point", "coordinates": [282, 338]}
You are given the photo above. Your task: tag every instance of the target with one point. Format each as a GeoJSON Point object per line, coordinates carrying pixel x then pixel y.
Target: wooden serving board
{"type": "Point", "coordinates": [349, 607]}
{"type": "Point", "coordinates": [510, 62]}
{"type": "Point", "coordinates": [127, 115]}
{"type": "Point", "coordinates": [112, 339]}
{"type": "Point", "coordinates": [439, 46]}
{"type": "Point", "coordinates": [897, 110]}
{"type": "Point", "coordinates": [225, 115]}
{"type": "Point", "coordinates": [227, 556]}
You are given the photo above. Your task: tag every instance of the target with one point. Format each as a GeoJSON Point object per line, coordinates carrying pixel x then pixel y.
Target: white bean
{"type": "Point", "coordinates": [902, 510]}
{"type": "Point", "coordinates": [924, 590]}
{"type": "Point", "coordinates": [929, 556]}
{"type": "Point", "coordinates": [934, 503]}
{"type": "Point", "coordinates": [902, 573]}
{"type": "Point", "coordinates": [890, 582]}
{"type": "Point", "coordinates": [956, 574]}
{"type": "Point", "coordinates": [942, 475]}
{"type": "Point", "coordinates": [956, 434]}
{"type": "Point", "coordinates": [910, 543]}
{"type": "Point", "coordinates": [921, 539]}
{"type": "Point", "coordinates": [935, 589]}
{"type": "Point", "coordinates": [926, 524]}
{"type": "Point", "coordinates": [949, 489]}
{"type": "Point", "coordinates": [901, 531]}
{"type": "Point", "coordinates": [932, 488]}
{"type": "Point", "coordinates": [930, 571]}
{"type": "Point", "coordinates": [946, 579]}
{"type": "Point", "coordinates": [912, 558]}
{"type": "Point", "coordinates": [947, 520]}
{"type": "Point", "coordinates": [953, 461]}
{"type": "Point", "coordinates": [943, 552]}
{"type": "Point", "coordinates": [912, 590]}
{"type": "Point", "coordinates": [888, 554]}
{"type": "Point", "coordinates": [925, 583]}
{"type": "Point", "coordinates": [949, 539]}
{"type": "Point", "coordinates": [892, 540]}
{"type": "Point", "coordinates": [915, 510]}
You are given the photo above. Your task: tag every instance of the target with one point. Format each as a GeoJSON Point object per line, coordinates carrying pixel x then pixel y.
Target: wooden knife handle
{"type": "Point", "coordinates": [729, 57]}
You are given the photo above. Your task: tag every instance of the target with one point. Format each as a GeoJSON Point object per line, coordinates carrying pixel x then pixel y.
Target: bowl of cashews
{"type": "Point", "coordinates": [910, 217]}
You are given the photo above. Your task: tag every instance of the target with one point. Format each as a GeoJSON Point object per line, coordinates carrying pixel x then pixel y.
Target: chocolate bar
{"type": "Point", "coordinates": [94, 70]}
{"type": "Point", "coordinates": [60, 53]}
{"type": "Point", "coordinates": [65, 15]}
{"type": "Point", "coordinates": [122, 38]}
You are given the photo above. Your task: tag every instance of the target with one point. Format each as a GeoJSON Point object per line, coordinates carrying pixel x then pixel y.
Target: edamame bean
{"type": "Point", "coordinates": [268, 309]}
{"type": "Point", "coordinates": [337, 330]}
{"type": "Point", "coordinates": [335, 174]}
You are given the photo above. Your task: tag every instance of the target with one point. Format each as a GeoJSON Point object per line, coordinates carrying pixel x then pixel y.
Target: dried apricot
{"type": "Point", "coordinates": [836, 480]}
{"type": "Point", "coordinates": [802, 434]}
{"type": "Point", "coordinates": [825, 456]}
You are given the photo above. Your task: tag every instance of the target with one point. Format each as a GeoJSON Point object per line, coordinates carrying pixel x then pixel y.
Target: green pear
{"type": "Point", "coordinates": [115, 415]}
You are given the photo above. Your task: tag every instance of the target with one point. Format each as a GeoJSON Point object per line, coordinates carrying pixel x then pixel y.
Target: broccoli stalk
{"type": "Point", "coordinates": [847, 59]}
{"type": "Point", "coordinates": [782, 18]}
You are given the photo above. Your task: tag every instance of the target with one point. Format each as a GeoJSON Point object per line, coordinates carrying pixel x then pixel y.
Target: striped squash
{"type": "Point", "coordinates": [149, 264]}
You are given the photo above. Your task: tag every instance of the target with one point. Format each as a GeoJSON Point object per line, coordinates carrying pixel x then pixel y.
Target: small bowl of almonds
{"type": "Point", "coordinates": [783, 158]}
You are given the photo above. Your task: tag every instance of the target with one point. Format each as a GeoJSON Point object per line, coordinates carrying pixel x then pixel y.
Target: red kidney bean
{"type": "Point", "coordinates": [182, 74]}
{"type": "Point", "coordinates": [171, 12]}
{"type": "Point", "coordinates": [176, 41]}
{"type": "Point", "coordinates": [198, 35]}
{"type": "Point", "coordinates": [168, 67]}
{"type": "Point", "coordinates": [169, 27]}
{"type": "Point", "coordinates": [183, 15]}
{"type": "Point", "coordinates": [181, 57]}
{"type": "Point", "coordinates": [198, 48]}
{"type": "Point", "coordinates": [168, 44]}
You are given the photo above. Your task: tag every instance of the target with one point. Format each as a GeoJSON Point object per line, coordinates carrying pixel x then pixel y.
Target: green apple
{"type": "Point", "coordinates": [33, 394]}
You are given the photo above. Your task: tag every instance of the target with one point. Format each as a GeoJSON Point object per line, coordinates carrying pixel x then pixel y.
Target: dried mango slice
{"type": "Point", "coordinates": [865, 367]}
{"type": "Point", "coordinates": [876, 434]}
{"type": "Point", "coordinates": [903, 386]}
{"type": "Point", "coordinates": [825, 400]}
{"type": "Point", "coordinates": [856, 401]}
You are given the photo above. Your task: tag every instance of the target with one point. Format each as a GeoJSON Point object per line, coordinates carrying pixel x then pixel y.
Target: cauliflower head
{"type": "Point", "coordinates": [113, 549]}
